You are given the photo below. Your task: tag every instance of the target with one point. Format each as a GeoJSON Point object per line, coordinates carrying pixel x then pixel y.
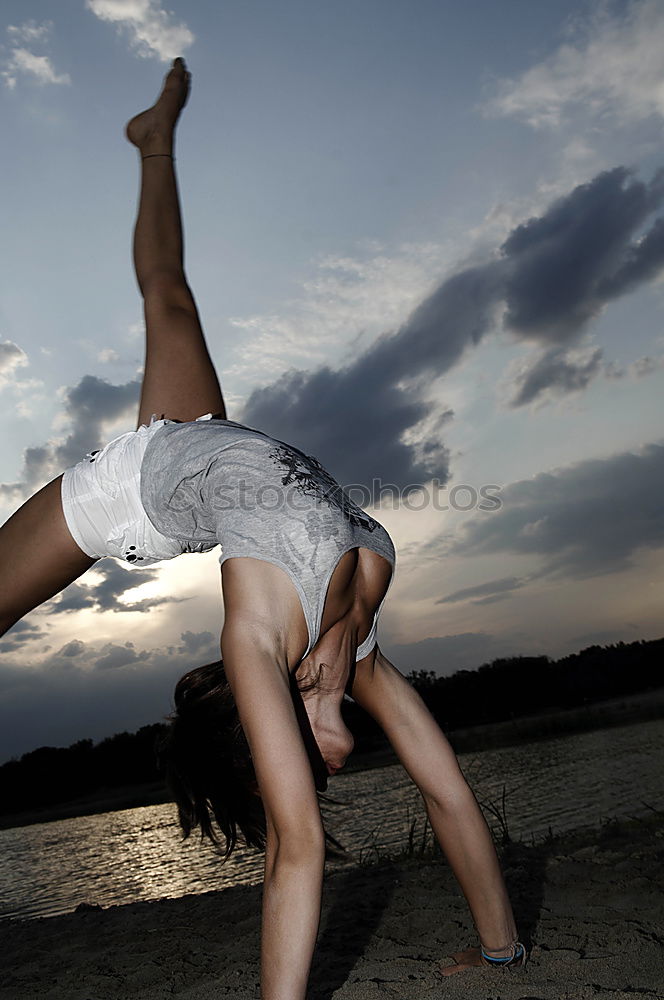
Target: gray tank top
{"type": "Point", "coordinates": [213, 481]}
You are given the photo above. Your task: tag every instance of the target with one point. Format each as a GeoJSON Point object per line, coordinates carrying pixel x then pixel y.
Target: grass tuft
{"type": "Point", "coordinates": [420, 841]}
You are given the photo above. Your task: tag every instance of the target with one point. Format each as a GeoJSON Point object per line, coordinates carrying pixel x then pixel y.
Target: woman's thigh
{"type": "Point", "coordinates": [38, 556]}
{"type": "Point", "coordinates": [180, 381]}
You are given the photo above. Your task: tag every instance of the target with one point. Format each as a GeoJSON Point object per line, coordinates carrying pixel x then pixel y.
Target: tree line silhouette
{"type": "Point", "coordinates": [503, 689]}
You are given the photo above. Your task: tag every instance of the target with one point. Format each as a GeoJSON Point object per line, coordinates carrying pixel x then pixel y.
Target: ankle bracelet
{"type": "Point", "coordinates": [147, 157]}
{"type": "Point", "coordinates": [518, 956]}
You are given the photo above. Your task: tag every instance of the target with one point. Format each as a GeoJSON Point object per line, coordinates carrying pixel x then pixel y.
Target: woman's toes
{"type": "Point", "coordinates": [160, 119]}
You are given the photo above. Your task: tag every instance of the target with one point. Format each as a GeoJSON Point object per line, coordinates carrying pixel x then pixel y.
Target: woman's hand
{"type": "Point", "coordinates": [468, 959]}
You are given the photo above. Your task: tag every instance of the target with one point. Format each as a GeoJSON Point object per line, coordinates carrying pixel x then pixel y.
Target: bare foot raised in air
{"type": "Point", "coordinates": [152, 130]}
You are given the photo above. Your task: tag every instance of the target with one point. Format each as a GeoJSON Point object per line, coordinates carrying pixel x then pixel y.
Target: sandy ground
{"type": "Point", "coordinates": [588, 906]}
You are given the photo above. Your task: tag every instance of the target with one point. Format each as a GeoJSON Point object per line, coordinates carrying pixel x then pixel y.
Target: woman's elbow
{"type": "Point", "coordinates": [294, 857]}
{"type": "Point", "coordinates": [297, 842]}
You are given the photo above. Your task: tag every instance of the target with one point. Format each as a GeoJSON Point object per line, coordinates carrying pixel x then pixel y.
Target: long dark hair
{"type": "Point", "coordinates": [207, 763]}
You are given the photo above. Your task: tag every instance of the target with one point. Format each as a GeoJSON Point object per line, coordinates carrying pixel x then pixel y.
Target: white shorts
{"type": "Point", "coordinates": [101, 500]}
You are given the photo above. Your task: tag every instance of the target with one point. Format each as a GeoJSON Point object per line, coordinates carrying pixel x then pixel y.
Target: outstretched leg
{"type": "Point", "coordinates": [179, 381]}
{"type": "Point", "coordinates": [38, 556]}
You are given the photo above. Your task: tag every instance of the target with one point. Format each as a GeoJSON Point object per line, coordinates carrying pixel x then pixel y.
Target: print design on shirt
{"type": "Point", "coordinates": [310, 478]}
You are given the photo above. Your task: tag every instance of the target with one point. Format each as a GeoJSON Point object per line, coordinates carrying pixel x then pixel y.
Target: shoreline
{"type": "Point", "coordinates": [625, 710]}
{"type": "Point", "coordinates": [587, 903]}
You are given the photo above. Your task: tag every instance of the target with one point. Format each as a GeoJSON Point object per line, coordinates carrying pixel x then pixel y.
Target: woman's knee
{"type": "Point", "coordinates": [164, 290]}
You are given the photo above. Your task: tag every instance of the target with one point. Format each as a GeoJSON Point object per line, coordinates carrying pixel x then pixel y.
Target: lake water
{"type": "Point", "coordinates": [137, 854]}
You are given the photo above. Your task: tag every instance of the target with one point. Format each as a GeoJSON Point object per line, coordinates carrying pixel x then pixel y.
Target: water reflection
{"type": "Point", "coordinates": [135, 854]}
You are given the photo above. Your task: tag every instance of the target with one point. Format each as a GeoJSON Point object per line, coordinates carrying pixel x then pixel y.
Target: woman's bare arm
{"type": "Point", "coordinates": [295, 854]}
{"type": "Point", "coordinates": [455, 815]}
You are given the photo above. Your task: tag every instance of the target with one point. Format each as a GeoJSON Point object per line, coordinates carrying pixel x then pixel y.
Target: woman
{"type": "Point", "coordinates": [304, 572]}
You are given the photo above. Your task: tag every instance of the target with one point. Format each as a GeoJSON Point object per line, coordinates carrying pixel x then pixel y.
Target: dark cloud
{"type": "Point", "coordinates": [20, 635]}
{"type": "Point", "coordinates": [116, 580]}
{"type": "Point", "coordinates": [23, 627]}
{"type": "Point", "coordinates": [554, 273]}
{"type": "Point", "coordinates": [73, 648]}
{"type": "Point", "coordinates": [555, 371]}
{"type": "Point", "coordinates": [353, 419]}
{"type": "Point", "coordinates": [584, 520]}
{"type": "Point", "coordinates": [194, 642]}
{"type": "Point", "coordinates": [642, 261]}
{"type": "Point", "coordinates": [149, 604]}
{"type": "Point", "coordinates": [91, 406]}
{"type": "Point", "coordinates": [496, 589]}
{"type": "Point", "coordinates": [115, 655]}
{"type": "Point", "coordinates": [106, 594]}
{"type": "Point", "coordinates": [73, 598]}
{"type": "Point", "coordinates": [578, 255]}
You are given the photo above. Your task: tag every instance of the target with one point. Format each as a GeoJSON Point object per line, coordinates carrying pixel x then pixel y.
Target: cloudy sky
{"type": "Point", "coordinates": [427, 243]}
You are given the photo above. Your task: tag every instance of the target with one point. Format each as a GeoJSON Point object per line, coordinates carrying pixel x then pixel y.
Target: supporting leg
{"type": "Point", "coordinates": [179, 379]}
{"type": "Point", "coordinates": [455, 815]}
